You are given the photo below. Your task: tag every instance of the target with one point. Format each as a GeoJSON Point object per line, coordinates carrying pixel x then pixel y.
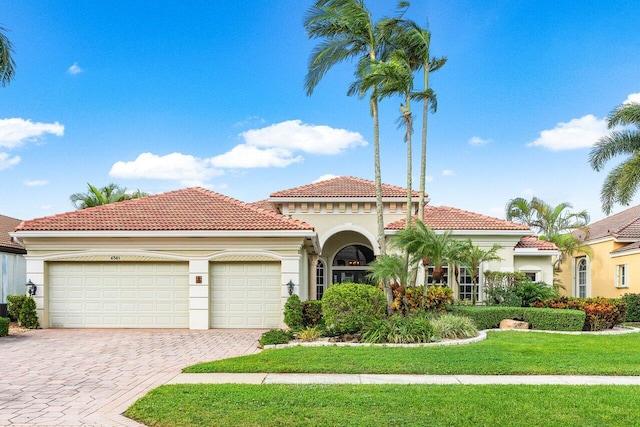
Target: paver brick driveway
{"type": "Point", "coordinates": [71, 377]}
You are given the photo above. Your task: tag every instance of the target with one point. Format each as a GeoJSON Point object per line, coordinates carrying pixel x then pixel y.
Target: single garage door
{"type": "Point", "coordinates": [118, 295]}
{"type": "Point", "coordinates": [245, 295]}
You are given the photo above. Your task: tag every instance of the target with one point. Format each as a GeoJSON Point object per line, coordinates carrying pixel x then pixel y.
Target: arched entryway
{"type": "Point", "coordinates": [351, 264]}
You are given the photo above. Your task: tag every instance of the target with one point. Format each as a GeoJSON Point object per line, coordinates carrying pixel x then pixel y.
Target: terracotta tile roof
{"type": "Point", "coordinates": [447, 218]}
{"type": "Point", "coordinates": [7, 225]}
{"type": "Point", "coordinates": [625, 224]}
{"type": "Point", "coordinates": [190, 209]}
{"type": "Point", "coordinates": [629, 247]}
{"type": "Point", "coordinates": [343, 186]}
{"type": "Point", "coordinates": [266, 205]}
{"type": "Point", "coordinates": [533, 242]}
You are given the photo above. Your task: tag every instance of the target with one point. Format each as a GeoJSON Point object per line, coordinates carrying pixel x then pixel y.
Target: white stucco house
{"type": "Point", "coordinates": [197, 259]}
{"type": "Point", "coordinates": [12, 263]}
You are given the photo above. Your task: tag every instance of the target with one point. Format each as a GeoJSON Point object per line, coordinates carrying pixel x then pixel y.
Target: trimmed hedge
{"type": "Point", "coordinates": [14, 305]}
{"type": "Point", "coordinates": [312, 313]}
{"type": "Point", "coordinates": [4, 326]}
{"type": "Point", "coordinates": [293, 313]}
{"type": "Point", "coordinates": [539, 318]}
{"type": "Point", "coordinates": [633, 307]}
{"type": "Point", "coordinates": [601, 313]}
{"type": "Point", "coordinates": [348, 307]}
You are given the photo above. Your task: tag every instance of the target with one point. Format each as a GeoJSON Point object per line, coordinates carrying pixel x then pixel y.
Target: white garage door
{"type": "Point", "coordinates": [245, 295]}
{"type": "Point", "coordinates": [118, 295]}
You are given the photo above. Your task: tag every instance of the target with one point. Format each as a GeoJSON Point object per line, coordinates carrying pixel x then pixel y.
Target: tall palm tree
{"type": "Point", "coordinates": [472, 257]}
{"type": "Point", "coordinates": [389, 269]}
{"type": "Point", "coordinates": [108, 194]}
{"type": "Point", "coordinates": [347, 32]}
{"type": "Point", "coordinates": [622, 182]}
{"type": "Point", "coordinates": [417, 42]}
{"type": "Point", "coordinates": [7, 65]}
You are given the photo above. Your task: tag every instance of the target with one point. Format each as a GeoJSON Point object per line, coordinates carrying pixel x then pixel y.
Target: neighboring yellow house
{"type": "Point", "coordinates": [613, 267]}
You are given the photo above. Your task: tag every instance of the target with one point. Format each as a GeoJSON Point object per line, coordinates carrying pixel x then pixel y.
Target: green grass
{"type": "Point", "coordinates": [387, 405]}
{"type": "Point", "coordinates": [503, 353]}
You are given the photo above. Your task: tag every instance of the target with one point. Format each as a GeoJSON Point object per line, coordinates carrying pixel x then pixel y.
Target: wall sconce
{"type": "Point", "coordinates": [32, 288]}
{"type": "Point", "coordinates": [290, 286]}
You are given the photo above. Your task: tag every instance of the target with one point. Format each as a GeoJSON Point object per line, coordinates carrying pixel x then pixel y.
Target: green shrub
{"type": "Point", "coordinates": [14, 305]}
{"type": "Point", "coordinates": [312, 313]}
{"type": "Point", "coordinates": [516, 290]}
{"type": "Point", "coordinates": [491, 316]}
{"type": "Point", "coordinates": [4, 326]}
{"type": "Point", "coordinates": [28, 317]}
{"type": "Point", "coordinates": [450, 326]}
{"type": "Point", "coordinates": [554, 320]}
{"type": "Point", "coordinates": [347, 307]}
{"type": "Point", "coordinates": [438, 297]}
{"type": "Point", "coordinates": [399, 330]}
{"type": "Point", "coordinates": [633, 307]}
{"type": "Point", "coordinates": [310, 333]}
{"type": "Point", "coordinates": [601, 313]}
{"type": "Point", "coordinates": [530, 292]}
{"type": "Point", "coordinates": [275, 336]}
{"type": "Point", "coordinates": [293, 313]}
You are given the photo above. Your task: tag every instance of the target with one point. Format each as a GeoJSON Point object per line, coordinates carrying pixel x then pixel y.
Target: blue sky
{"type": "Point", "coordinates": [211, 94]}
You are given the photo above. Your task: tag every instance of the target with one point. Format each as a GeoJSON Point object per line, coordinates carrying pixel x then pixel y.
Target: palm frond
{"type": "Point", "coordinates": [609, 146]}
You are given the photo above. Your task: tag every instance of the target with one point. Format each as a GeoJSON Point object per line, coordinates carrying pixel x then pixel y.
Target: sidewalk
{"type": "Point", "coordinates": [263, 378]}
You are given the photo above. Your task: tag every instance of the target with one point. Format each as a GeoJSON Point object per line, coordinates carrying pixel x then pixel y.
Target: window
{"type": "Point", "coordinates": [444, 279]}
{"type": "Point", "coordinates": [581, 276]}
{"type": "Point", "coordinates": [466, 286]}
{"type": "Point", "coordinates": [621, 276]}
{"type": "Point", "coordinates": [531, 275]}
{"type": "Point", "coordinates": [319, 279]}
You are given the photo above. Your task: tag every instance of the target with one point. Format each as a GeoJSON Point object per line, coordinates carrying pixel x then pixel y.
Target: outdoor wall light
{"type": "Point", "coordinates": [32, 288]}
{"type": "Point", "coordinates": [290, 286]}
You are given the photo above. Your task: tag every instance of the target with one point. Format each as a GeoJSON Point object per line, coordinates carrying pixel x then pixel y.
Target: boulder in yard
{"type": "Point", "coordinates": [513, 324]}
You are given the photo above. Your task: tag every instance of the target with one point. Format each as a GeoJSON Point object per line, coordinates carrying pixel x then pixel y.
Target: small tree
{"type": "Point", "coordinates": [28, 317]}
{"type": "Point", "coordinates": [472, 257]}
{"type": "Point", "coordinates": [293, 313]}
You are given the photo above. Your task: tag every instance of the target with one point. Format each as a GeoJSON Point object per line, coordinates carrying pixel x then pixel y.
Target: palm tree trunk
{"type": "Point", "coordinates": [423, 152]}
{"type": "Point", "coordinates": [409, 124]}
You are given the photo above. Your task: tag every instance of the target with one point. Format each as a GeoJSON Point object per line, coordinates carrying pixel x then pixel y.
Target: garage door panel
{"type": "Point", "coordinates": [138, 295]}
{"type": "Point", "coordinates": [245, 295]}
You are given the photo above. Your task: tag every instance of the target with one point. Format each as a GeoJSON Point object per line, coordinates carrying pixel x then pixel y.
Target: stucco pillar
{"type": "Point", "coordinates": [199, 294]}
{"type": "Point", "coordinates": [313, 263]}
{"type": "Point", "coordinates": [35, 273]}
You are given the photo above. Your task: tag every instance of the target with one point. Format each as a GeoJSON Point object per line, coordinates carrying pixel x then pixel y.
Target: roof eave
{"type": "Point", "coordinates": [536, 252]}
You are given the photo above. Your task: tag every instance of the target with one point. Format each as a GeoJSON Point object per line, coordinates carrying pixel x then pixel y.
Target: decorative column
{"type": "Point", "coordinates": [199, 317]}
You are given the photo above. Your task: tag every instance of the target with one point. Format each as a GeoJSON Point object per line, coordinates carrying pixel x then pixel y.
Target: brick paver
{"type": "Point", "coordinates": [73, 377]}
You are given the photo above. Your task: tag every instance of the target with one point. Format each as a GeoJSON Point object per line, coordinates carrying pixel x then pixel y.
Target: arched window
{"type": "Point", "coordinates": [320, 279]}
{"type": "Point", "coordinates": [582, 277]}
{"type": "Point", "coordinates": [354, 256]}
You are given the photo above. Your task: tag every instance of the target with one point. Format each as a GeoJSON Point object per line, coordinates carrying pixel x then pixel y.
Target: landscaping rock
{"type": "Point", "coordinates": [513, 324]}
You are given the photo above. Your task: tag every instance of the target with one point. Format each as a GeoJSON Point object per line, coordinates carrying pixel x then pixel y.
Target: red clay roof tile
{"type": "Point", "coordinates": [342, 187]}
{"type": "Point", "coordinates": [447, 218]}
{"type": "Point", "coordinates": [533, 242]}
{"type": "Point", "coordinates": [190, 209]}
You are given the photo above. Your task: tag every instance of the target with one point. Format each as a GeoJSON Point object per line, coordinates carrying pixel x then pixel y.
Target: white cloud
{"type": "Point", "coordinates": [35, 182]}
{"type": "Point", "coordinates": [15, 132]}
{"type": "Point", "coordinates": [476, 141]}
{"type": "Point", "coordinates": [187, 169]}
{"type": "Point", "coordinates": [632, 98]}
{"type": "Point", "coordinates": [448, 172]}
{"type": "Point", "coordinates": [75, 69]}
{"type": "Point", "coordinates": [247, 156]}
{"type": "Point", "coordinates": [297, 136]}
{"type": "Point", "coordinates": [277, 145]}
{"type": "Point", "coordinates": [325, 177]}
{"type": "Point", "coordinates": [250, 121]}
{"type": "Point", "coordinates": [577, 133]}
{"type": "Point", "coordinates": [7, 161]}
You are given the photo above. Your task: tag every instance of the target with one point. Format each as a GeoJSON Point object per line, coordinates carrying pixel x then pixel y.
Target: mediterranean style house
{"type": "Point", "coordinates": [607, 269]}
{"type": "Point", "coordinates": [197, 259]}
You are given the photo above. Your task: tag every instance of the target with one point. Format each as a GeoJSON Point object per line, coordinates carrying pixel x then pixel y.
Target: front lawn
{"type": "Point", "coordinates": [388, 405]}
{"type": "Point", "coordinates": [503, 353]}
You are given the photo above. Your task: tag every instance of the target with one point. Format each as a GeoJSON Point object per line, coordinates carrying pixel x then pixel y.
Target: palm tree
{"type": "Point", "coordinates": [7, 65]}
{"type": "Point", "coordinates": [416, 42]}
{"type": "Point", "coordinates": [108, 194]}
{"type": "Point", "coordinates": [389, 269]}
{"type": "Point", "coordinates": [348, 33]}
{"type": "Point", "coordinates": [622, 182]}
{"type": "Point", "coordinates": [430, 248]}
{"type": "Point", "coordinates": [472, 257]}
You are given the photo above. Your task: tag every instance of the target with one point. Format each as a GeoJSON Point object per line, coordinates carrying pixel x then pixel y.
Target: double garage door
{"type": "Point", "coordinates": [156, 295]}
